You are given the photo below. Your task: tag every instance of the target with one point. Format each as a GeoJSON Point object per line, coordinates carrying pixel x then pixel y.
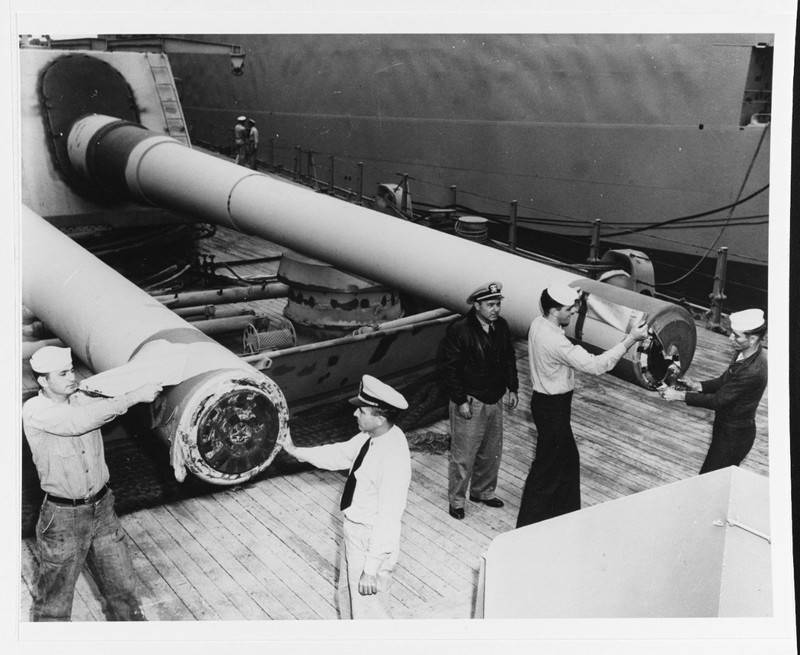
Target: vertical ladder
{"type": "Point", "coordinates": [168, 96]}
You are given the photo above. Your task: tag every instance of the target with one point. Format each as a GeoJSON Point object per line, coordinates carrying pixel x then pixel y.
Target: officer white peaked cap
{"type": "Point", "coordinates": [489, 291]}
{"type": "Point", "coordinates": [51, 358]}
{"type": "Point", "coordinates": [746, 320]}
{"type": "Point", "coordinates": [374, 393]}
{"type": "Point", "coordinates": [563, 294]}
{"type": "Point", "coordinates": [242, 118]}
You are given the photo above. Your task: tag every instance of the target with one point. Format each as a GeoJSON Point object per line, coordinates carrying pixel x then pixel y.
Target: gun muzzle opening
{"type": "Point", "coordinates": [234, 433]}
{"type": "Point", "coordinates": [659, 365]}
{"type": "Point", "coordinates": [230, 427]}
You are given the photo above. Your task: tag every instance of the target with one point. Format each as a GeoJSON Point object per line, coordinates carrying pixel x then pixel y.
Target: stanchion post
{"type": "Point", "coordinates": [298, 154]}
{"type": "Point", "coordinates": [717, 295]}
{"type": "Point", "coordinates": [512, 226]}
{"type": "Point", "coordinates": [361, 183]}
{"type": "Point", "coordinates": [594, 247]}
{"type": "Point", "coordinates": [312, 173]}
{"type": "Point", "coordinates": [404, 203]}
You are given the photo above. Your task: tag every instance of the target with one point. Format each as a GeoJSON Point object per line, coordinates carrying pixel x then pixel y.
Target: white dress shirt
{"type": "Point", "coordinates": [381, 491]}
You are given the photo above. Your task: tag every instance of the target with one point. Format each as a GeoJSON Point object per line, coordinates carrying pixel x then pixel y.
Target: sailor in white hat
{"type": "Point", "coordinates": [479, 369]}
{"type": "Point", "coordinates": [373, 499]}
{"type": "Point", "coordinates": [50, 359]}
{"type": "Point", "coordinates": [240, 140]}
{"type": "Point", "coordinates": [553, 484]}
{"type": "Point", "coordinates": [734, 396]}
{"type": "Point", "coordinates": [77, 522]}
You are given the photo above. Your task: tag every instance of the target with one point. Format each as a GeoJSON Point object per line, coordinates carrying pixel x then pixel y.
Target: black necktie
{"type": "Point", "coordinates": [350, 485]}
{"type": "Point", "coordinates": [491, 331]}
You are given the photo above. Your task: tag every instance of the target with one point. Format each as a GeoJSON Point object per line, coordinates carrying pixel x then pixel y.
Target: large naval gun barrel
{"type": "Point", "coordinates": [223, 420]}
{"type": "Point", "coordinates": [122, 157]}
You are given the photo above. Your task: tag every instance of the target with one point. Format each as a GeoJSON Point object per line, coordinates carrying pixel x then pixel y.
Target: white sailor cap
{"type": "Point", "coordinates": [51, 358]}
{"type": "Point", "coordinates": [242, 119]}
{"type": "Point", "coordinates": [747, 320]}
{"type": "Point", "coordinates": [563, 294]}
{"type": "Point", "coordinates": [374, 393]}
{"type": "Point", "coordinates": [489, 291]}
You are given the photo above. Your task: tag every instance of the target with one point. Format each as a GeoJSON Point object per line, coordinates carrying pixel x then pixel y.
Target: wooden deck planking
{"type": "Point", "coordinates": [162, 563]}
{"type": "Point", "coordinates": [308, 584]}
{"type": "Point", "coordinates": [273, 575]}
{"type": "Point", "coordinates": [270, 549]}
{"type": "Point", "coordinates": [159, 600]}
{"type": "Point", "coordinates": [242, 564]}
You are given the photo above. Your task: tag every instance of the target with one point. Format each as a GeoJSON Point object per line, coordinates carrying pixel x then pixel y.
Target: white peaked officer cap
{"type": "Point", "coordinates": [374, 393]}
{"type": "Point", "coordinates": [489, 291]}
{"type": "Point", "coordinates": [563, 294]}
{"type": "Point", "coordinates": [746, 320]}
{"type": "Point", "coordinates": [242, 118]}
{"type": "Point", "coordinates": [51, 358]}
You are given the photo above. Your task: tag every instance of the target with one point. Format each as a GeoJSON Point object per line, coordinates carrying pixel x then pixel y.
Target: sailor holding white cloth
{"type": "Point", "coordinates": [552, 487]}
{"type": "Point", "coordinates": [77, 522]}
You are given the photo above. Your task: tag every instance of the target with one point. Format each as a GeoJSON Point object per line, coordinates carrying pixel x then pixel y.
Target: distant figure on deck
{"type": "Point", "coordinates": [553, 484]}
{"type": "Point", "coordinates": [373, 500]}
{"type": "Point", "coordinates": [252, 143]}
{"type": "Point", "coordinates": [478, 366]}
{"type": "Point", "coordinates": [734, 395]}
{"type": "Point", "coordinates": [240, 141]}
{"type": "Point", "coordinates": [77, 523]}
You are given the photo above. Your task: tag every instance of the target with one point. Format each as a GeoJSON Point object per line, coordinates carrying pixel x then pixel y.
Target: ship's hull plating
{"type": "Point", "coordinates": [629, 129]}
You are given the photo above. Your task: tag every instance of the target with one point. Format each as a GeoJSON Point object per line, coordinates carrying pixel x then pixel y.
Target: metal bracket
{"type": "Point", "coordinates": [733, 523]}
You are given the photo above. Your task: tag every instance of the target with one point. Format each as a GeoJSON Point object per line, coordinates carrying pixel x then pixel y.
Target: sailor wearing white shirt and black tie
{"type": "Point", "coordinates": [373, 500]}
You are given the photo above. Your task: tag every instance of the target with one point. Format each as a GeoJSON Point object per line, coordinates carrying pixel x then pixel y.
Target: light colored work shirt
{"type": "Point", "coordinates": [553, 358]}
{"type": "Point", "coordinates": [66, 442]}
{"type": "Point", "coordinates": [381, 491]}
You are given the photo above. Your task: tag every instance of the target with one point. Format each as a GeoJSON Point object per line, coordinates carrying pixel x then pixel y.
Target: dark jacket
{"type": "Point", "coordinates": [475, 364]}
{"type": "Point", "coordinates": [735, 394]}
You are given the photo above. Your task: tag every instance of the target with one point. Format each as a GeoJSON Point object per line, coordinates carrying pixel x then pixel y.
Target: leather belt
{"type": "Point", "coordinates": [75, 502]}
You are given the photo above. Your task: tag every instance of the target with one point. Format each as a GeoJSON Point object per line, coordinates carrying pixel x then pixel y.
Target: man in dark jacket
{"type": "Point", "coordinates": [734, 395]}
{"type": "Point", "coordinates": [478, 365]}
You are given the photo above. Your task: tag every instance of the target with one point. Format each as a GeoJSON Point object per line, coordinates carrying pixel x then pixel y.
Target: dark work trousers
{"type": "Point", "coordinates": [553, 484]}
{"type": "Point", "coordinates": [729, 445]}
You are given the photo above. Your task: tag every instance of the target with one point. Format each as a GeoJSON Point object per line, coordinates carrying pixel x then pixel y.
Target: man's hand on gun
{"type": "Point", "coordinates": [678, 392]}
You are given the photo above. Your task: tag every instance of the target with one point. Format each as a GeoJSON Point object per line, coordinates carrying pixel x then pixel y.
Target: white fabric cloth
{"type": "Point", "coordinates": [553, 358]}
{"type": "Point", "coordinates": [381, 491]}
{"type": "Point", "coordinates": [158, 361]}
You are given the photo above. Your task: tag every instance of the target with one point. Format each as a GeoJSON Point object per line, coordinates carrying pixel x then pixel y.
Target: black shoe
{"type": "Point", "coordinates": [491, 502]}
{"type": "Point", "coordinates": [457, 512]}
